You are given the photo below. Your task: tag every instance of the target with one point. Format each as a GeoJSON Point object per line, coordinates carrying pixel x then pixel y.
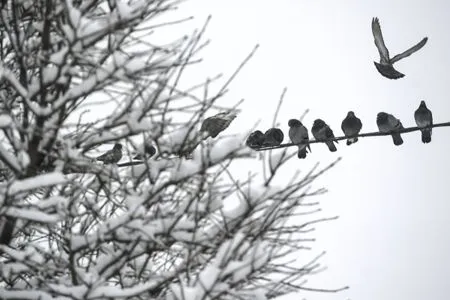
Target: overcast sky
{"type": "Point", "coordinates": [392, 240]}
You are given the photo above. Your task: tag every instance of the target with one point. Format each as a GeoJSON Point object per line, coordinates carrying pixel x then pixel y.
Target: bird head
{"type": "Point", "coordinates": [319, 123]}
{"type": "Point", "coordinates": [350, 114]}
{"type": "Point", "coordinates": [294, 123]}
{"type": "Point", "coordinates": [117, 146]}
{"type": "Point", "coordinates": [382, 117]}
{"type": "Point", "coordinates": [422, 104]}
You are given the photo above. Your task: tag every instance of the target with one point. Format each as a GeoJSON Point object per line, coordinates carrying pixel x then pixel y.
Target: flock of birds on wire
{"type": "Point", "coordinates": [298, 133]}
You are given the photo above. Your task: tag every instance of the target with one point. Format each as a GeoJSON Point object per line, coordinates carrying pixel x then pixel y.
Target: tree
{"type": "Point", "coordinates": [179, 224]}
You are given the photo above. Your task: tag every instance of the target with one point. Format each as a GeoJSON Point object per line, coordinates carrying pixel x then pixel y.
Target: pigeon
{"type": "Point", "coordinates": [149, 151]}
{"type": "Point", "coordinates": [424, 118]}
{"type": "Point", "coordinates": [322, 131]}
{"type": "Point", "coordinates": [388, 123]}
{"type": "Point", "coordinates": [298, 133]}
{"type": "Point", "coordinates": [385, 67]}
{"type": "Point", "coordinates": [111, 156]}
{"type": "Point", "coordinates": [273, 137]}
{"type": "Point", "coordinates": [255, 140]}
{"type": "Point", "coordinates": [351, 126]}
{"type": "Point", "coordinates": [214, 125]}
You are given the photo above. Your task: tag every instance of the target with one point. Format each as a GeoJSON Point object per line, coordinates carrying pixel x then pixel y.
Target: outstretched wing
{"type": "Point", "coordinates": [410, 50]}
{"type": "Point", "coordinates": [379, 42]}
{"type": "Point", "coordinates": [218, 123]}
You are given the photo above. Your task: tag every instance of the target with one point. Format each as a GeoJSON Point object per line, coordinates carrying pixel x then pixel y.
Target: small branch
{"type": "Point", "coordinates": [369, 134]}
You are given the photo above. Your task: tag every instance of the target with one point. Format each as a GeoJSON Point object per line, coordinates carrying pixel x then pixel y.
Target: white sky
{"type": "Point", "coordinates": [392, 240]}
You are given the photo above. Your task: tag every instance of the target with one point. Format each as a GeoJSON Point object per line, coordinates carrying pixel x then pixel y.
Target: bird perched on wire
{"type": "Point", "coordinates": [387, 123]}
{"type": "Point", "coordinates": [111, 156]}
{"type": "Point", "coordinates": [273, 137]}
{"type": "Point", "coordinates": [385, 67]}
{"type": "Point", "coordinates": [351, 126]}
{"type": "Point", "coordinates": [149, 151]}
{"type": "Point", "coordinates": [214, 125]}
{"type": "Point", "coordinates": [322, 131]}
{"type": "Point", "coordinates": [255, 140]}
{"type": "Point", "coordinates": [298, 133]}
{"type": "Point", "coordinates": [424, 118]}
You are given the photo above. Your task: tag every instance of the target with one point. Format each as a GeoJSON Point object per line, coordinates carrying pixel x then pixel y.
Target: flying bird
{"type": "Point", "coordinates": [424, 118]}
{"type": "Point", "coordinates": [322, 131]}
{"type": "Point", "coordinates": [149, 151]}
{"type": "Point", "coordinates": [255, 140]}
{"type": "Point", "coordinates": [214, 125]}
{"type": "Point", "coordinates": [273, 137]}
{"type": "Point", "coordinates": [351, 126]}
{"type": "Point", "coordinates": [387, 123]}
{"type": "Point", "coordinates": [298, 134]}
{"type": "Point", "coordinates": [385, 67]}
{"type": "Point", "coordinates": [111, 156]}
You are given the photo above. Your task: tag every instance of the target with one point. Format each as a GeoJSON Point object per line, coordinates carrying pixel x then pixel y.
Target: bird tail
{"type": "Point", "coordinates": [426, 135]}
{"type": "Point", "coordinates": [352, 141]}
{"type": "Point", "coordinates": [396, 137]}
{"type": "Point", "coordinates": [301, 152]}
{"type": "Point", "coordinates": [331, 146]}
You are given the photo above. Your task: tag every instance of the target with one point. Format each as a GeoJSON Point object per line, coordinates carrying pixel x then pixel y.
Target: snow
{"type": "Point", "coordinates": [206, 280]}
{"type": "Point", "coordinates": [240, 208]}
{"type": "Point", "coordinates": [23, 159]}
{"type": "Point", "coordinates": [170, 142]}
{"type": "Point", "coordinates": [5, 121]}
{"type": "Point", "coordinates": [11, 160]}
{"type": "Point", "coordinates": [182, 292]}
{"type": "Point", "coordinates": [58, 57]}
{"type": "Point", "coordinates": [32, 215]}
{"type": "Point", "coordinates": [125, 11]}
{"type": "Point", "coordinates": [36, 182]}
{"type": "Point", "coordinates": [29, 294]}
{"type": "Point", "coordinates": [226, 249]}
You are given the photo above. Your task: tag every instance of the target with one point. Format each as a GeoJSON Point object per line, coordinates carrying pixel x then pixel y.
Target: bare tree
{"type": "Point", "coordinates": [178, 224]}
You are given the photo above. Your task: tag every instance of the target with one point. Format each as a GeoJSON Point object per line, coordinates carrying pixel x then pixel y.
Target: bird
{"type": "Point", "coordinates": [149, 151]}
{"type": "Point", "coordinates": [385, 67]}
{"type": "Point", "coordinates": [351, 126]}
{"type": "Point", "coordinates": [273, 137]}
{"type": "Point", "coordinates": [255, 140]}
{"type": "Point", "coordinates": [387, 123]}
{"type": "Point", "coordinates": [322, 131]}
{"type": "Point", "coordinates": [298, 133]}
{"type": "Point", "coordinates": [111, 156]}
{"type": "Point", "coordinates": [424, 118]}
{"type": "Point", "coordinates": [214, 125]}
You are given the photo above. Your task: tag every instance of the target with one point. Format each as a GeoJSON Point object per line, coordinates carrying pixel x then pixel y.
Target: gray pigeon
{"type": "Point", "coordinates": [351, 126]}
{"type": "Point", "coordinates": [149, 150]}
{"type": "Point", "coordinates": [273, 137]}
{"type": "Point", "coordinates": [385, 67]}
{"type": "Point", "coordinates": [255, 140]}
{"type": "Point", "coordinates": [214, 125]}
{"type": "Point", "coordinates": [298, 133]}
{"type": "Point", "coordinates": [111, 156]}
{"type": "Point", "coordinates": [387, 123]}
{"type": "Point", "coordinates": [322, 131]}
{"type": "Point", "coordinates": [424, 118]}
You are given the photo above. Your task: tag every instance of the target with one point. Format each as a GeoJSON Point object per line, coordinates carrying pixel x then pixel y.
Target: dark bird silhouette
{"type": "Point", "coordinates": [149, 151]}
{"type": "Point", "coordinates": [322, 131]}
{"type": "Point", "coordinates": [424, 118]}
{"type": "Point", "coordinates": [351, 126]}
{"type": "Point", "coordinates": [214, 125]}
{"type": "Point", "coordinates": [255, 140]}
{"type": "Point", "coordinates": [387, 123]}
{"type": "Point", "coordinates": [111, 156]}
{"type": "Point", "coordinates": [385, 67]}
{"type": "Point", "coordinates": [298, 133]}
{"type": "Point", "coordinates": [273, 137]}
